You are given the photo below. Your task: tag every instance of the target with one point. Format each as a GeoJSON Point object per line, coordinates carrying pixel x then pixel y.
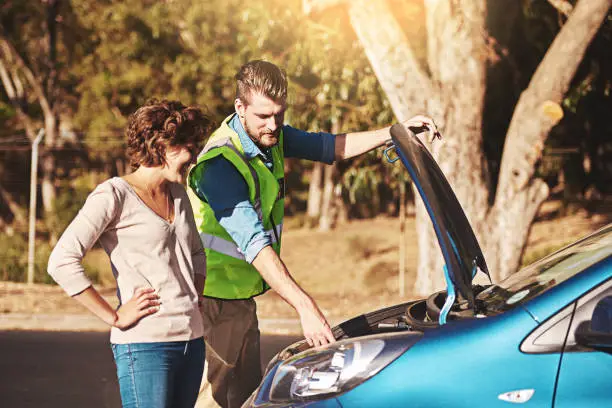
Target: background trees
{"type": "Point", "coordinates": [78, 68]}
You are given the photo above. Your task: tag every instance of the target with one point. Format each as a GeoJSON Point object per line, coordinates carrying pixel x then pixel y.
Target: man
{"type": "Point", "coordinates": [239, 180]}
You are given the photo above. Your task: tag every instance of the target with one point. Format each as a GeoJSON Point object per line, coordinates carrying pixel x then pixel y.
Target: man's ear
{"type": "Point", "coordinates": [240, 107]}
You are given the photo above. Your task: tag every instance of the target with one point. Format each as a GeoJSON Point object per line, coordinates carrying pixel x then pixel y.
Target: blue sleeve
{"type": "Point", "coordinates": [227, 194]}
{"type": "Point", "coordinates": [317, 146]}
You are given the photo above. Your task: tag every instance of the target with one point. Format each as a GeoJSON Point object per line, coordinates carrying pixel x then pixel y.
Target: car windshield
{"type": "Point", "coordinates": [547, 272]}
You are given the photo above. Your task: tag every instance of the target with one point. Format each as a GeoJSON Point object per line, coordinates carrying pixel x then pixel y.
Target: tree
{"type": "Point", "coordinates": [29, 75]}
{"type": "Point", "coordinates": [450, 84]}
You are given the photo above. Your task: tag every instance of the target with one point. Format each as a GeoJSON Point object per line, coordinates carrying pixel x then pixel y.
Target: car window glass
{"type": "Point", "coordinates": [548, 272]}
{"type": "Point", "coordinates": [549, 336]}
{"type": "Point", "coordinates": [596, 303]}
{"type": "Point", "coordinates": [601, 320]}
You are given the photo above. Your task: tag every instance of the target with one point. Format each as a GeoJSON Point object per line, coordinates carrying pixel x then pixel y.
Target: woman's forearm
{"type": "Point", "coordinates": [91, 299]}
{"type": "Point", "coordinates": [199, 281]}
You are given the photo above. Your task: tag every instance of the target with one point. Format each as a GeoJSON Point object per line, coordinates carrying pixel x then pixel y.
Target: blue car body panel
{"type": "Point", "coordinates": [584, 380]}
{"type": "Point", "coordinates": [446, 368]}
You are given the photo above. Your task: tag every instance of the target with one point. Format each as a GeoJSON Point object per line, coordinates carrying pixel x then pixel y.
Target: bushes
{"type": "Point", "coordinates": [71, 195]}
{"type": "Point", "coordinates": [14, 247]}
{"type": "Point", "coordinates": [14, 259]}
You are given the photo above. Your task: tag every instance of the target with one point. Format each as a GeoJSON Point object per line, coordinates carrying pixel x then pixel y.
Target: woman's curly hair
{"type": "Point", "coordinates": [161, 124]}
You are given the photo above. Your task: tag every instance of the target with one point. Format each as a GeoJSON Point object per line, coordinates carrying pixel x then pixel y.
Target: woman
{"type": "Point", "coordinates": [145, 224]}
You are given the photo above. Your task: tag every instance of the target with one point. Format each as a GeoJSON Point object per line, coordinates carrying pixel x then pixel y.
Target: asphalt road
{"type": "Point", "coordinates": [70, 369]}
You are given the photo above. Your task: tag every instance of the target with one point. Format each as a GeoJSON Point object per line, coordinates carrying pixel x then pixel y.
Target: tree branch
{"type": "Point", "coordinates": [13, 88]}
{"type": "Point", "coordinates": [538, 107]}
{"type": "Point", "coordinates": [507, 229]}
{"type": "Point", "coordinates": [407, 86]}
{"type": "Point", "coordinates": [7, 82]}
{"type": "Point", "coordinates": [563, 6]}
{"type": "Point", "coordinates": [10, 52]}
{"type": "Point", "coordinates": [312, 7]}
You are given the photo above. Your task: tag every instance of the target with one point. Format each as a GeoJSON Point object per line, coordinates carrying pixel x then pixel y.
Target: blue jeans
{"type": "Point", "coordinates": [159, 375]}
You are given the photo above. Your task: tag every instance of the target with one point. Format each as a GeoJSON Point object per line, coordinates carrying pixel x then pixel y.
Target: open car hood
{"type": "Point", "coordinates": [460, 249]}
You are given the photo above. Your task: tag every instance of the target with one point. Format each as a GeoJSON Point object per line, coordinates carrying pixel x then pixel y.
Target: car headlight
{"type": "Point", "coordinates": [338, 367]}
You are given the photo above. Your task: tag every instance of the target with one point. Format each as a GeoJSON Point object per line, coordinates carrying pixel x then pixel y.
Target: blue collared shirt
{"type": "Point", "coordinates": [228, 194]}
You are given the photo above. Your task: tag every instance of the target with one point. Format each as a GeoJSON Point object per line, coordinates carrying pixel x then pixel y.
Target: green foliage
{"type": "Point", "coordinates": [71, 197]}
{"type": "Point", "coordinates": [14, 246]}
{"type": "Point", "coordinates": [114, 56]}
{"type": "Point", "coordinates": [6, 111]}
{"type": "Point", "coordinates": [372, 185]}
{"type": "Point", "coordinates": [362, 184]}
{"type": "Point", "coordinates": [14, 261]}
{"type": "Point", "coordinates": [14, 265]}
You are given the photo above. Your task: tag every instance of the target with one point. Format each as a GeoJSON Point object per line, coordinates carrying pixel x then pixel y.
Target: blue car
{"type": "Point", "coordinates": [540, 338]}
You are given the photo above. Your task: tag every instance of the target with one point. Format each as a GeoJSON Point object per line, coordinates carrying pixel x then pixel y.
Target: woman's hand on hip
{"type": "Point", "coordinates": [145, 302]}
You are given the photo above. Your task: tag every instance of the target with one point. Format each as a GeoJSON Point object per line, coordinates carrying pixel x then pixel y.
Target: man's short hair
{"type": "Point", "coordinates": [261, 77]}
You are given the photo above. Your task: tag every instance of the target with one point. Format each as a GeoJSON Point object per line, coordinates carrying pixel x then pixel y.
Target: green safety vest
{"type": "Point", "coordinates": [229, 275]}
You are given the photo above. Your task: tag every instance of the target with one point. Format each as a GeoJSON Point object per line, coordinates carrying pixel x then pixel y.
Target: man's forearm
{"type": "Point", "coordinates": [316, 328]}
{"type": "Point", "coordinates": [275, 273]}
{"type": "Point", "coordinates": [353, 144]}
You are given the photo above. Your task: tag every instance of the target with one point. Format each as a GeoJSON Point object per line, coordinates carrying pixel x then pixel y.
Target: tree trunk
{"type": "Point", "coordinates": [14, 89]}
{"type": "Point", "coordinates": [313, 209]}
{"type": "Point", "coordinates": [327, 218]}
{"type": "Point", "coordinates": [457, 58]}
{"type": "Point", "coordinates": [406, 84]}
{"type": "Point", "coordinates": [45, 91]}
{"type": "Point", "coordinates": [49, 106]}
{"type": "Point", "coordinates": [341, 211]}
{"type": "Point", "coordinates": [508, 227]}
{"type": "Point", "coordinates": [457, 55]}
{"type": "Point", "coordinates": [401, 278]}
{"type": "Point", "coordinates": [120, 167]}
{"type": "Point", "coordinates": [48, 164]}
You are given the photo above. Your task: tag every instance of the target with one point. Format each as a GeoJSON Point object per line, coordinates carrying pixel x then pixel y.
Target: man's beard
{"type": "Point", "coordinates": [256, 137]}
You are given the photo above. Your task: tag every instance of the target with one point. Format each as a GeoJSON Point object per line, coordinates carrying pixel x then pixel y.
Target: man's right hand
{"type": "Point", "coordinates": [144, 303]}
{"type": "Point", "coordinates": [316, 329]}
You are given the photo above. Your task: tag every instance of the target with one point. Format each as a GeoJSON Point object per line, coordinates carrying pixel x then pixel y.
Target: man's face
{"type": "Point", "coordinates": [262, 118]}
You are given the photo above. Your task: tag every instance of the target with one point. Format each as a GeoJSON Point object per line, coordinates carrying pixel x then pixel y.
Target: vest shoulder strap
{"type": "Point", "coordinates": [226, 142]}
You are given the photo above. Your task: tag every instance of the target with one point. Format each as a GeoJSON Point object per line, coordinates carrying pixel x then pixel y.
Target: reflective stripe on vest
{"type": "Point", "coordinates": [229, 248]}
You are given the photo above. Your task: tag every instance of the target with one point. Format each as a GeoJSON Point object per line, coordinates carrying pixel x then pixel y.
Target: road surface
{"type": "Point", "coordinates": [70, 369]}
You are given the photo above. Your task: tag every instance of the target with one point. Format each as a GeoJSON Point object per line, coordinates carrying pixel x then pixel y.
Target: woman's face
{"type": "Point", "coordinates": [178, 160]}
